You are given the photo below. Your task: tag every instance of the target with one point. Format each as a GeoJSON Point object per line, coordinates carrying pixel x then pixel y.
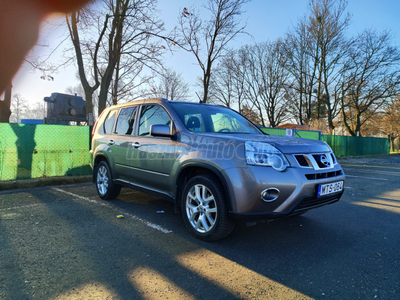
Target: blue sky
{"type": "Point", "coordinates": [266, 20]}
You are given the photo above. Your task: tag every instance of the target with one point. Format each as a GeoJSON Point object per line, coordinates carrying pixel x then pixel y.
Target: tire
{"type": "Point", "coordinates": [105, 186]}
{"type": "Point", "coordinates": [205, 208]}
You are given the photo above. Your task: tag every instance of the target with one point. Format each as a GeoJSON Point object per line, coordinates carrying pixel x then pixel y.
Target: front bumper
{"type": "Point", "coordinates": [298, 191]}
{"type": "Point", "coordinates": [307, 203]}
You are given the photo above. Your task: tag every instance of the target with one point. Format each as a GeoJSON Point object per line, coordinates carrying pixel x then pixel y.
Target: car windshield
{"type": "Point", "coordinates": [200, 118]}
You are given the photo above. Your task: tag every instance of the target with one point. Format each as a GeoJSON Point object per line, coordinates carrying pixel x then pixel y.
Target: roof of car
{"type": "Point", "coordinates": [142, 101]}
{"type": "Point", "coordinates": [157, 100]}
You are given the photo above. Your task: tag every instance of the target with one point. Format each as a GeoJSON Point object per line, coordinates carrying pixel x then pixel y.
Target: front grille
{"type": "Point", "coordinates": [324, 175]}
{"type": "Point", "coordinates": [313, 202]}
{"type": "Point", "coordinates": [317, 161]}
{"type": "Point", "coordinates": [301, 159]}
{"type": "Point", "coordinates": [333, 158]}
{"type": "Point", "coordinates": [322, 161]}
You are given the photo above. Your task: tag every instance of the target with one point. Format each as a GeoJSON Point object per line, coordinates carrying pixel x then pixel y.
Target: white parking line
{"type": "Point", "coordinates": [372, 178]}
{"type": "Point", "coordinates": [371, 172]}
{"type": "Point", "coordinates": [22, 206]}
{"type": "Point", "coordinates": [149, 224]}
{"type": "Point", "coordinates": [387, 173]}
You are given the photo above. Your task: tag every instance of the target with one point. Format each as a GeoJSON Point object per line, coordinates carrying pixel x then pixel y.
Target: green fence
{"type": "Point", "coordinates": [344, 146]}
{"type": "Point", "coordinates": [306, 134]}
{"type": "Point", "coordinates": [32, 151]}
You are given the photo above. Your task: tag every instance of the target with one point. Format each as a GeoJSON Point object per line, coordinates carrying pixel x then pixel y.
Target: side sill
{"type": "Point", "coordinates": [144, 189]}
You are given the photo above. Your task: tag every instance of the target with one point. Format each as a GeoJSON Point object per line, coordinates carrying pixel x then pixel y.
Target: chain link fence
{"type": "Point", "coordinates": [33, 151]}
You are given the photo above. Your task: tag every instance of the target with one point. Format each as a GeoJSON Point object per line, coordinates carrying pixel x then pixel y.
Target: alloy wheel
{"type": "Point", "coordinates": [102, 180]}
{"type": "Point", "coordinates": [201, 208]}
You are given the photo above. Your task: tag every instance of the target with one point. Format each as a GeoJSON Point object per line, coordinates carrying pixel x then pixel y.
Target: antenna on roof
{"type": "Point", "coordinates": [200, 101]}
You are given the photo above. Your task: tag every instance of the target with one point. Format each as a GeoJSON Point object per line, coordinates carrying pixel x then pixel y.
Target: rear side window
{"type": "Point", "coordinates": [125, 121]}
{"type": "Point", "coordinates": [109, 121]}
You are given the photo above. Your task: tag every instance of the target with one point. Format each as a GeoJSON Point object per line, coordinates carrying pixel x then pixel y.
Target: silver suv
{"type": "Point", "coordinates": [212, 163]}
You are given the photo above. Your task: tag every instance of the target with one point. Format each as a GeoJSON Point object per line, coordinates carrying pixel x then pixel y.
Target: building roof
{"type": "Point", "coordinates": [293, 126]}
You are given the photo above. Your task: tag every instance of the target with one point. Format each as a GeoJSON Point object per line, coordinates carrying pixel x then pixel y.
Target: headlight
{"type": "Point", "coordinates": [264, 154]}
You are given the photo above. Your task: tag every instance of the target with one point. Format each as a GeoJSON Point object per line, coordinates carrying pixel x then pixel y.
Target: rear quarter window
{"type": "Point", "coordinates": [109, 121]}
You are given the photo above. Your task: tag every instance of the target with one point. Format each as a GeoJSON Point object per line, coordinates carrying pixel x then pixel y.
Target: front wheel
{"type": "Point", "coordinates": [105, 186]}
{"type": "Point", "coordinates": [205, 208]}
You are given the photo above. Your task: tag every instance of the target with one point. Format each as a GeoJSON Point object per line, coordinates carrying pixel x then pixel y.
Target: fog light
{"type": "Point", "coordinates": [270, 194]}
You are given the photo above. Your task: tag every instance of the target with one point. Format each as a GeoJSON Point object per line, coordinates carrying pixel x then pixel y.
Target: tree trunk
{"type": "Point", "coordinates": [89, 90]}
{"type": "Point", "coordinates": [5, 105]}
{"type": "Point", "coordinates": [88, 101]}
{"type": "Point", "coordinates": [114, 49]}
{"type": "Point", "coordinates": [106, 81]}
{"type": "Point", "coordinates": [103, 98]}
{"type": "Point", "coordinates": [115, 88]}
{"type": "Point", "coordinates": [301, 99]}
{"type": "Point", "coordinates": [391, 141]}
{"type": "Point", "coordinates": [345, 122]}
{"type": "Point", "coordinates": [358, 125]}
{"type": "Point", "coordinates": [206, 84]}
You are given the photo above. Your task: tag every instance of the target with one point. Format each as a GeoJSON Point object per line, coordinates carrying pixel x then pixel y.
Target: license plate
{"type": "Point", "coordinates": [330, 188]}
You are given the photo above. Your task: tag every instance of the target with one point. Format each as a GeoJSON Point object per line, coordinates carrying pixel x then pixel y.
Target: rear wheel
{"type": "Point", "coordinates": [105, 186]}
{"type": "Point", "coordinates": [205, 208]}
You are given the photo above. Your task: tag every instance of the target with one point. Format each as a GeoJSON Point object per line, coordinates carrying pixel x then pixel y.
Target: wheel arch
{"type": "Point", "coordinates": [98, 159]}
{"type": "Point", "coordinates": [191, 170]}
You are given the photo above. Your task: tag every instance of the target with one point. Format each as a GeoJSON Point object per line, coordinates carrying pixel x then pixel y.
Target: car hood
{"type": "Point", "coordinates": [288, 145]}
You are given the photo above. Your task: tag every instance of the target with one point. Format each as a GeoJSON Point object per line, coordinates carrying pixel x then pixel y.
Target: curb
{"type": "Point", "coordinates": [37, 182]}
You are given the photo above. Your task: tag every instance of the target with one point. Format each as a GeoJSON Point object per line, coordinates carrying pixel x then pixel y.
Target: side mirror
{"type": "Point", "coordinates": [160, 131]}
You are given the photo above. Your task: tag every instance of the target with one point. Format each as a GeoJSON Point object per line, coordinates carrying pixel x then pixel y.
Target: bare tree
{"type": "Point", "coordinates": [18, 108]}
{"type": "Point", "coordinates": [208, 40]}
{"type": "Point", "coordinates": [315, 48]}
{"type": "Point", "coordinates": [303, 72]}
{"type": "Point", "coordinates": [372, 78]}
{"type": "Point", "coordinates": [75, 90]}
{"type": "Point", "coordinates": [113, 41]}
{"type": "Point", "coordinates": [36, 110]}
{"type": "Point", "coordinates": [72, 21]}
{"type": "Point", "coordinates": [228, 85]}
{"type": "Point", "coordinates": [171, 86]}
{"type": "Point", "coordinates": [391, 122]}
{"type": "Point", "coordinates": [222, 86]}
{"type": "Point", "coordinates": [251, 115]}
{"type": "Point", "coordinates": [328, 22]}
{"type": "Point", "coordinates": [266, 81]}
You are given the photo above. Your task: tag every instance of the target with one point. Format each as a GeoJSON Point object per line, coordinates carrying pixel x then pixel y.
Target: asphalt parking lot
{"type": "Point", "coordinates": [63, 242]}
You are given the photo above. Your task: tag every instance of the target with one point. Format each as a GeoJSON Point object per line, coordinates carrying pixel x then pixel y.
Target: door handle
{"type": "Point", "coordinates": [136, 145]}
{"type": "Point", "coordinates": [111, 142]}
